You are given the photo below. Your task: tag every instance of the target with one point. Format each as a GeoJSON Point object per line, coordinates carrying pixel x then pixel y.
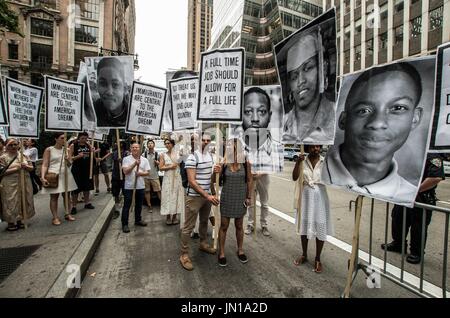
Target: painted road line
{"type": "Point", "coordinates": [376, 262]}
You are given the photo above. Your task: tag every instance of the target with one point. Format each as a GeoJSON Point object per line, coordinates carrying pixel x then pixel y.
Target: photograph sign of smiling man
{"type": "Point", "coordinates": [383, 128]}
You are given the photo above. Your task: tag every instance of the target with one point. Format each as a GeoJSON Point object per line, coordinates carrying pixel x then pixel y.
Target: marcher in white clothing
{"type": "Point", "coordinates": [315, 213]}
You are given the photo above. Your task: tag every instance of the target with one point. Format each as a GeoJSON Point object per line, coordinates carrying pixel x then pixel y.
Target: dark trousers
{"type": "Point", "coordinates": [139, 199]}
{"type": "Point", "coordinates": [413, 221]}
{"type": "Point", "coordinates": [35, 177]}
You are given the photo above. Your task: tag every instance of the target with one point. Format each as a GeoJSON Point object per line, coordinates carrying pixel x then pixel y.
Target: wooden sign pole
{"type": "Point", "coordinates": [91, 168]}
{"type": "Point", "coordinates": [66, 176]}
{"type": "Point", "coordinates": [355, 247]}
{"type": "Point", "coordinates": [217, 208]}
{"type": "Point", "coordinates": [119, 154]}
{"type": "Point", "coordinates": [22, 186]}
{"type": "Point", "coordinates": [300, 186]}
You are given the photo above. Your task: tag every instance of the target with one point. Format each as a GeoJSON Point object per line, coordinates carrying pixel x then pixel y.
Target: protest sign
{"type": "Point", "coordinates": [146, 109]}
{"type": "Point", "coordinates": [383, 130]}
{"type": "Point", "coordinates": [440, 137]}
{"type": "Point", "coordinates": [65, 102]}
{"type": "Point", "coordinates": [221, 86]}
{"type": "Point", "coordinates": [110, 79]}
{"type": "Point", "coordinates": [184, 101]}
{"type": "Point", "coordinates": [24, 106]}
{"type": "Point", "coordinates": [3, 113]}
{"type": "Point", "coordinates": [306, 64]}
{"type": "Point", "coordinates": [88, 109]}
{"type": "Point", "coordinates": [4, 133]}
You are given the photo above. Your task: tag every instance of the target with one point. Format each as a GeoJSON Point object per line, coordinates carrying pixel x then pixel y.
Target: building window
{"type": "Point", "coordinates": [80, 55]}
{"type": "Point", "coordinates": [86, 34]}
{"type": "Point", "coordinates": [13, 51]}
{"type": "Point", "coordinates": [37, 79]}
{"type": "Point", "coordinates": [416, 27]}
{"type": "Point", "coordinates": [436, 18]}
{"type": "Point", "coordinates": [369, 47]}
{"type": "Point", "coordinates": [383, 40]}
{"type": "Point", "coordinates": [41, 56]}
{"type": "Point", "coordinates": [358, 30]}
{"type": "Point", "coordinates": [13, 74]}
{"type": "Point", "coordinates": [89, 9]}
{"type": "Point", "coordinates": [42, 27]}
{"type": "Point", "coordinates": [358, 53]}
{"type": "Point", "coordinates": [398, 6]}
{"type": "Point", "coordinates": [398, 33]}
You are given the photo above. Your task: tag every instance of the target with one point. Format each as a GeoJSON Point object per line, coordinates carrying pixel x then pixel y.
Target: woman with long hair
{"type": "Point", "coordinates": [237, 187]}
{"type": "Point", "coordinates": [56, 161]}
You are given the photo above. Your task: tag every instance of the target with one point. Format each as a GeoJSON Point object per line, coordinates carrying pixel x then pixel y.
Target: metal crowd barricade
{"type": "Point", "coordinates": [400, 279]}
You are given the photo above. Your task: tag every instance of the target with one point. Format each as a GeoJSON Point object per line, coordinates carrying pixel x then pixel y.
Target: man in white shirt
{"type": "Point", "coordinates": [135, 168]}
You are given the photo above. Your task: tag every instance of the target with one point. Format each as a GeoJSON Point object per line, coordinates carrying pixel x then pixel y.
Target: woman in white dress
{"type": "Point", "coordinates": [172, 194]}
{"type": "Point", "coordinates": [53, 162]}
{"type": "Point", "coordinates": [315, 213]}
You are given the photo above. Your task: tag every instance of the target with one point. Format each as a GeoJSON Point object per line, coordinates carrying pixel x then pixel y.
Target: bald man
{"type": "Point", "coordinates": [311, 119]}
{"type": "Point", "coordinates": [112, 108]}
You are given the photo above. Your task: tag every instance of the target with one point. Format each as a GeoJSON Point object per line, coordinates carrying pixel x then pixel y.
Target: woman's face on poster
{"type": "Point", "coordinates": [111, 88]}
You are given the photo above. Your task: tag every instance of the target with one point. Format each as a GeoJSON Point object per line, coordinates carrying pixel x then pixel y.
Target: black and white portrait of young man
{"type": "Point", "coordinates": [260, 129]}
{"type": "Point", "coordinates": [110, 82]}
{"type": "Point", "coordinates": [384, 118]}
{"type": "Point", "coordinates": [306, 63]}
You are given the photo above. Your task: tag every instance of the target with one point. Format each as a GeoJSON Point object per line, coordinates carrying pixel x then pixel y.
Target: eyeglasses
{"type": "Point", "coordinates": [12, 145]}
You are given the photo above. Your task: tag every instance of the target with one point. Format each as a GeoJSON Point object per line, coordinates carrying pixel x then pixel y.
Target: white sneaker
{"type": "Point", "coordinates": [265, 231]}
{"type": "Point", "coordinates": [249, 230]}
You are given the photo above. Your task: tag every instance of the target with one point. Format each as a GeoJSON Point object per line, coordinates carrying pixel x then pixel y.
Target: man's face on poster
{"type": "Point", "coordinates": [380, 115]}
{"type": "Point", "coordinates": [111, 87]}
{"type": "Point", "coordinates": [256, 112]}
{"type": "Point", "coordinates": [303, 71]}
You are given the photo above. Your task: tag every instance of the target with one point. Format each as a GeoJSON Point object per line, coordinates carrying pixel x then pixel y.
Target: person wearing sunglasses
{"type": "Point", "coordinates": [11, 163]}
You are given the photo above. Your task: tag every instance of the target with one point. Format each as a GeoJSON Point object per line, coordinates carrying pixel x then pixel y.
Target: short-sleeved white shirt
{"type": "Point", "coordinates": [129, 179]}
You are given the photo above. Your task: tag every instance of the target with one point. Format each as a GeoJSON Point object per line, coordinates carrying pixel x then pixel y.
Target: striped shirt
{"type": "Point", "coordinates": [203, 172]}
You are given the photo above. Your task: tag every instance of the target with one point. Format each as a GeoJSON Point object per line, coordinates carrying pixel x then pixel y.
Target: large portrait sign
{"type": "Point", "coordinates": [382, 133]}
{"type": "Point", "coordinates": [440, 137]}
{"type": "Point", "coordinates": [110, 79]}
{"type": "Point", "coordinates": [184, 101]}
{"type": "Point", "coordinates": [88, 110]}
{"type": "Point", "coordinates": [221, 86]}
{"type": "Point", "coordinates": [64, 105]}
{"type": "Point", "coordinates": [146, 109]}
{"type": "Point", "coordinates": [306, 63]}
{"type": "Point", "coordinates": [24, 106]}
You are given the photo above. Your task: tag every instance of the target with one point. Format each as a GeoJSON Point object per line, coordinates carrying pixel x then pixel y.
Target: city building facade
{"type": "Point", "coordinates": [257, 25]}
{"type": "Point", "coordinates": [200, 19]}
{"type": "Point", "coordinates": [379, 31]}
{"type": "Point", "coordinates": [58, 34]}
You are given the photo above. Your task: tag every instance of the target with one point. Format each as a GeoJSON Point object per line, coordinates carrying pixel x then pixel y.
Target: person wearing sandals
{"type": "Point", "coordinates": [53, 162]}
{"type": "Point", "coordinates": [237, 184]}
{"type": "Point", "coordinates": [172, 194]}
{"type": "Point", "coordinates": [315, 213]}
{"type": "Point", "coordinates": [12, 163]}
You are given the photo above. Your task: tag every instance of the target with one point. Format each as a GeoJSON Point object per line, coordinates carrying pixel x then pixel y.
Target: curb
{"type": "Point", "coordinates": [82, 256]}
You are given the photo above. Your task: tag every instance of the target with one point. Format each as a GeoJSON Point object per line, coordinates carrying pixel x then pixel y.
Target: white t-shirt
{"type": "Point", "coordinates": [129, 179]}
{"type": "Point", "coordinates": [31, 153]}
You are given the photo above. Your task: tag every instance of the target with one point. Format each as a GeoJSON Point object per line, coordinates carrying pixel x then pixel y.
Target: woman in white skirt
{"type": "Point", "coordinates": [53, 162]}
{"type": "Point", "coordinates": [315, 216]}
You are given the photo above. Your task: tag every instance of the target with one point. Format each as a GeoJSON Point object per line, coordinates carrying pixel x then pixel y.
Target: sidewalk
{"type": "Point", "coordinates": [43, 274]}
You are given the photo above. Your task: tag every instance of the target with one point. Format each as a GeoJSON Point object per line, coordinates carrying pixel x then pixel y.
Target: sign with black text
{"type": "Point", "coordinates": [440, 137]}
{"type": "Point", "coordinates": [221, 86]}
{"type": "Point", "coordinates": [3, 114]}
{"type": "Point", "coordinates": [64, 105]}
{"type": "Point", "coordinates": [24, 106]}
{"type": "Point", "coordinates": [146, 109]}
{"type": "Point", "coordinates": [184, 101]}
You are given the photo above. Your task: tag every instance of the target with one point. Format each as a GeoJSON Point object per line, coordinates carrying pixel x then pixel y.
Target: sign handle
{"type": "Point", "coordinates": [217, 208]}
{"type": "Point", "coordinates": [300, 186]}
{"type": "Point", "coordinates": [22, 186]}
{"type": "Point", "coordinates": [119, 154]}
{"type": "Point", "coordinates": [91, 167]}
{"type": "Point", "coordinates": [66, 176]}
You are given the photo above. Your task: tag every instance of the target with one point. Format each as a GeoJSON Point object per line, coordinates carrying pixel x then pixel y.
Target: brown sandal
{"type": "Point", "coordinates": [186, 262]}
{"type": "Point", "coordinates": [300, 260]}
{"type": "Point", "coordinates": [318, 267]}
{"type": "Point", "coordinates": [70, 218]}
{"type": "Point", "coordinates": [56, 221]}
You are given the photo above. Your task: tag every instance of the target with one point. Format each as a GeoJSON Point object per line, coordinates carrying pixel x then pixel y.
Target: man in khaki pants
{"type": "Point", "coordinates": [199, 168]}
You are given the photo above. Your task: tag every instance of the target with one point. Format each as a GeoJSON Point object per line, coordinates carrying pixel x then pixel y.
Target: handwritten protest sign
{"type": "Point", "coordinates": [221, 86]}
{"type": "Point", "coordinates": [146, 109]}
{"type": "Point", "coordinates": [3, 114]}
{"type": "Point", "coordinates": [24, 106]}
{"type": "Point", "coordinates": [440, 137]}
{"type": "Point", "coordinates": [65, 102]}
{"type": "Point", "coordinates": [184, 93]}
